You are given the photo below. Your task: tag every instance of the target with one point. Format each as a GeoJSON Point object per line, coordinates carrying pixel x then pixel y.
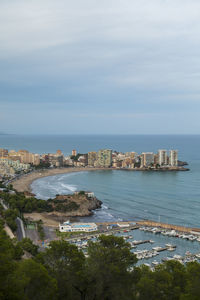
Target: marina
{"type": "Point", "coordinates": [151, 245]}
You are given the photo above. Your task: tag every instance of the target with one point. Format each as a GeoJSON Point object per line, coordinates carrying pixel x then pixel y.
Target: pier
{"type": "Point", "coordinates": [179, 228]}
{"type": "Point", "coordinates": [149, 223]}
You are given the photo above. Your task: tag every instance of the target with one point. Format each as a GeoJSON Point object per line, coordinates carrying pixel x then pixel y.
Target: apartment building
{"type": "Point", "coordinates": [173, 158]}
{"type": "Point", "coordinates": [104, 158]}
{"type": "Point", "coordinates": [162, 157]}
{"type": "Point", "coordinates": [92, 158]}
{"type": "Point", "coordinates": [147, 159]}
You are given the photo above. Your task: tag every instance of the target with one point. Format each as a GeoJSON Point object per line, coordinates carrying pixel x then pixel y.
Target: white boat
{"type": "Point", "coordinates": [170, 246]}
{"type": "Point", "coordinates": [176, 256]}
{"type": "Point", "coordinates": [147, 265]}
{"type": "Point", "coordinates": [171, 249]}
{"type": "Point", "coordinates": [157, 248]}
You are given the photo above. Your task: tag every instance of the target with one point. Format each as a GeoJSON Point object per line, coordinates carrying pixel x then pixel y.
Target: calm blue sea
{"type": "Point", "coordinates": [172, 197]}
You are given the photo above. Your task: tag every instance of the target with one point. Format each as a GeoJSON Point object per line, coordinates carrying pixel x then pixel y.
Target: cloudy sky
{"type": "Point", "coordinates": [109, 66]}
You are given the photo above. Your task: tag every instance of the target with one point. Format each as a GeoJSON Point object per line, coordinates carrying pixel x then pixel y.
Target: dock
{"type": "Point", "coordinates": [135, 224]}
{"type": "Point", "coordinates": [169, 226]}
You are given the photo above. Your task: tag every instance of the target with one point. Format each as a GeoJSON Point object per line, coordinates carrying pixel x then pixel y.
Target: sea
{"type": "Point", "coordinates": [170, 197]}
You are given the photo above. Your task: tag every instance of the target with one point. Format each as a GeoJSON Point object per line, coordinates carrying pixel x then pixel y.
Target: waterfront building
{"type": "Point", "coordinates": [121, 156]}
{"type": "Point", "coordinates": [29, 158]}
{"type": "Point", "coordinates": [116, 163]}
{"type": "Point", "coordinates": [83, 159]}
{"type": "Point", "coordinates": [156, 160]}
{"type": "Point", "coordinates": [131, 154]}
{"type": "Point", "coordinates": [23, 156]}
{"type": "Point", "coordinates": [162, 157]}
{"type": "Point", "coordinates": [105, 158]}
{"type": "Point", "coordinates": [75, 227]}
{"type": "Point", "coordinates": [127, 163]}
{"type": "Point", "coordinates": [56, 160]}
{"type": "Point", "coordinates": [92, 157]}
{"type": "Point", "coordinates": [13, 155]}
{"type": "Point", "coordinates": [147, 159]}
{"type": "Point", "coordinates": [87, 193]}
{"type": "Point", "coordinates": [79, 164]}
{"type": "Point", "coordinates": [68, 161]}
{"type": "Point", "coordinates": [59, 152]}
{"type": "Point", "coordinates": [10, 167]}
{"type": "Point", "coordinates": [3, 152]}
{"type": "Point", "coordinates": [36, 159]}
{"type": "Point", "coordinates": [173, 158]}
{"type": "Point", "coordinates": [74, 152]}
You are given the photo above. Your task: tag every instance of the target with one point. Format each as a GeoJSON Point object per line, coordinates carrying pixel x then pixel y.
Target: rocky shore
{"type": "Point", "coordinates": [81, 205]}
{"type": "Point", "coordinates": [66, 206]}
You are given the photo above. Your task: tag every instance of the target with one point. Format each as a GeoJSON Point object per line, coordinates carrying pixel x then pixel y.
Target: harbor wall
{"type": "Point", "coordinates": [168, 226]}
{"type": "Point", "coordinates": [150, 223]}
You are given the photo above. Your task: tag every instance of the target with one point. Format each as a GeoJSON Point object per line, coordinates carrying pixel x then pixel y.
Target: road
{"type": "Point", "coordinates": [20, 229]}
{"type": "Point", "coordinates": [20, 232]}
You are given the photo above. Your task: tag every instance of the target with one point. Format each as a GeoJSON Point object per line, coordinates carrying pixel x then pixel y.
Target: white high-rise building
{"type": "Point", "coordinates": [147, 159]}
{"type": "Point", "coordinates": [173, 158]}
{"type": "Point", "coordinates": [162, 157]}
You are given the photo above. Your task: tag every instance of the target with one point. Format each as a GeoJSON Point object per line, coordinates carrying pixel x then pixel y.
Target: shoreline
{"type": "Point", "coordinates": [23, 183]}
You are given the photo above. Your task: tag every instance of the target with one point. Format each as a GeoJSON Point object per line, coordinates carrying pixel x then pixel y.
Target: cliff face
{"type": "Point", "coordinates": [76, 205]}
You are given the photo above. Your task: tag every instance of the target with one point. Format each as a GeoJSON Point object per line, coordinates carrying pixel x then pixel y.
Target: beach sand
{"type": "Point", "coordinates": [23, 183]}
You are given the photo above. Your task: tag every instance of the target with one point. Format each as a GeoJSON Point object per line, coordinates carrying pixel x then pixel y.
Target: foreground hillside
{"type": "Point", "coordinates": [108, 272]}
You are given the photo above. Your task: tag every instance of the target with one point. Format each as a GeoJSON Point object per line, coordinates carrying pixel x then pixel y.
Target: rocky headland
{"type": "Point", "coordinates": [79, 204]}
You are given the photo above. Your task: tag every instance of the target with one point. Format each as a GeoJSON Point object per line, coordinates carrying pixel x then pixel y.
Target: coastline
{"type": "Point", "coordinates": [23, 184]}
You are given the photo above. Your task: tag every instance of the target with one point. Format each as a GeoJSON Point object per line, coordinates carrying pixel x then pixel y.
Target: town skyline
{"type": "Point", "coordinates": [15, 162]}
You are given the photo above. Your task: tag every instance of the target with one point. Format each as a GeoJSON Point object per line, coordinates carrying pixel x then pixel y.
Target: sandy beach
{"type": "Point", "coordinates": [23, 183]}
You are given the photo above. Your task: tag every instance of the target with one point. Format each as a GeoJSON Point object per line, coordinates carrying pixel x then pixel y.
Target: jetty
{"type": "Point", "coordinates": [179, 228]}
{"type": "Point", "coordinates": [130, 225]}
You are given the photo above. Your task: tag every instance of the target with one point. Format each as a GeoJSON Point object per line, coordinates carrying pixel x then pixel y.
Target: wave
{"type": "Point", "coordinates": [104, 206]}
{"type": "Point", "coordinates": [69, 187]}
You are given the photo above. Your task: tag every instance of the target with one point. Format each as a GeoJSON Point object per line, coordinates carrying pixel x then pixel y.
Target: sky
{"type": "Point", "coordinates": [100, 67]}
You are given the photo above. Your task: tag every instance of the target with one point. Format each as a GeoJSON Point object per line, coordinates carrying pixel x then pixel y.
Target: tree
{"type": "Point", "coordinates": [27, 245]}
{"type": "Point", "coordinates": [192, 289]}
{"type": "Point", "coordinates": [178, 278]}
{"type": "Point", "coordinates": [10, 216]}
{"type": "Point", "coordinates": [9, 287]}
{"type": "Point", "coordinates": [166, 282]}
{"type": "Point", "coordinates": [35, 281]}
{"type": "Point", "coordinates": [109, 262]}
{"type": "Point", "coordinates": [67, 265]}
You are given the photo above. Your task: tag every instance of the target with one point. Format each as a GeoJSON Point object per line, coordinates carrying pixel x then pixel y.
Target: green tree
{"type": "Point", "coordinates": [35, 281]}
{"type": "Point", "coordinates": [67, 265]}
{"type": "Point", "coordinates": [109, 262]}
{"type": "Point", "coordinates": [10, 216]}
{"type": "Point", "coordinates": [27, 245]}
{"type": "Point", "coordinates": [9, 287]}
{"type": "Point", "coordinates": [154, 285]}
{"type": "Point", "coordinates": [192, 289]}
